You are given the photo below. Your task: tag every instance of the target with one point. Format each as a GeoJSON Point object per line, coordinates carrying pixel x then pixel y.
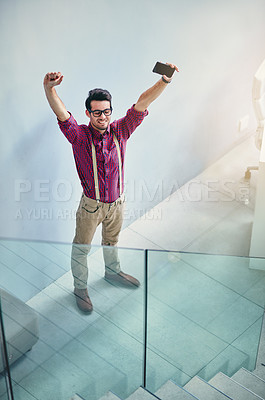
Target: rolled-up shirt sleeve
{"type": "Point", "coordinates": [70, 129]}
{"type": "Point", "coordinates": [129, 123]}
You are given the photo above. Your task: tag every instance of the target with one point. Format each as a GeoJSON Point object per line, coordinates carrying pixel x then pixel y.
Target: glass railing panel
{"type": "Point", "coordinates": [204, 315]}
{"type": "Point", "coordinates": [5, 377]}
{"type": "Point", "coordinates": [69, 352]}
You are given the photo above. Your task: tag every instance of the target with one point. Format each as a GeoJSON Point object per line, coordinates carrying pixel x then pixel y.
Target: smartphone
{"type": "Point", "coordinates": [163, 69]}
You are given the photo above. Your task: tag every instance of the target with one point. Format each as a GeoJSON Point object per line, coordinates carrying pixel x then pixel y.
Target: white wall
{"type": "Point", "coordinates": [218, 45]}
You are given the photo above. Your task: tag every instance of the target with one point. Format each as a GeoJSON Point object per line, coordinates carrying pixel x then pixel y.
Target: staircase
{"type": "Point", "coordinates": [243, 385]}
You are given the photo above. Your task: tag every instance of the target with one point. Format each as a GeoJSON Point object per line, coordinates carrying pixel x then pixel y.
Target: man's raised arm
{"type": "Point", "coordinates": [151, 94]}
{"type": "Point", "coordinates": [51, 80]}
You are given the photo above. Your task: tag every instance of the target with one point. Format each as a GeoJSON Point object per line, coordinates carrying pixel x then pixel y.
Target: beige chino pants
{"type": "Point", "coordinates": [88, 216]}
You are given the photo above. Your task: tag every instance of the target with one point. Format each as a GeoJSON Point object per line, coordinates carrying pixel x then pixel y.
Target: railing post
{"type": "Point", "coordinates": [4, 352]}
{"type": "Point", "coordinates": [145, 315]}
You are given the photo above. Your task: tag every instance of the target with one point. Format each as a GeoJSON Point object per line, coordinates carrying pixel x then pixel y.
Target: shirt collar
{"type": "Point", "coordinates": [96, 134]}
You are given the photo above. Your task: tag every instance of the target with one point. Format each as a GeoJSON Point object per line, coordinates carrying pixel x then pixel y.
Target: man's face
{"type": "Point", "coordinates": [100, 123]}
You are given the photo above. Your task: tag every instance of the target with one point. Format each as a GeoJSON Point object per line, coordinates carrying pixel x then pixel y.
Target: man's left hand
{"type": "Point", "coordinates": [175, 68]}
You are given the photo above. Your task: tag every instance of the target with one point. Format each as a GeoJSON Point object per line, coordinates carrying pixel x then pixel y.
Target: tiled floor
{"type": "Point", "coordinates": [193, 299]}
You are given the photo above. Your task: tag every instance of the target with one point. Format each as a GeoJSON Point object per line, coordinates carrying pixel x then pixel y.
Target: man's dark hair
{"type": "Point", "coordinates": [97, 94]}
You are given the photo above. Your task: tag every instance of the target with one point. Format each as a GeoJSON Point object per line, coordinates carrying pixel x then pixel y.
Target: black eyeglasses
{"type": "Point", "coordinates": [97, 113]}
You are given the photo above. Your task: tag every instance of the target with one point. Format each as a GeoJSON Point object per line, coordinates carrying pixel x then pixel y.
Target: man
{"type": "Point", "coordinates": [99, 150]}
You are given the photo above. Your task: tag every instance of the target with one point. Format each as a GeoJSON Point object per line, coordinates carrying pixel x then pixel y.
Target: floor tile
{"type": "Point", "coordinates": [27, 253]}
{"type": "Point", "coordinates": [182, 338]}
{"type": "Point", "coordinates": [58, 315]}
{"type": "Point", "coordinates": [239, 316]}
{"type": "Point", "coordinates": [182, 348]}
{"type": "Point", "coordinates": [51, 253]}
{"type": "Point", "coordinates": [50, 388]}
{"type": "Point", "coordinates": [2, 385]}
{"type": "Point", "coordinates": [22, 368]}
{"type": "Point", "coordinates": [38, 278]}
{"type": "Point", "coordinates": [51, 334]}
{"type": "Point", "coordinates": [233, 272]}
{"type": "Point", "coordinates": [54, 271]}
{"type": "Point", "coordinates": [173, 231]}
{"type": "Point", "coordinates": [16, 284]}
{"type": "Point", "coordinates": [191, 293]}
{"type": "Point", "coordinates": [131, 238]}
{"type": "Point", "coordinates": [9, 258]}
{"type": "Point", "coordinates": [256, 293]}
{"type": "Point", "coordinates": [230, 235]}
{"type": "Point", "coordinates": [131, 324]}
{"type": "Point", "coordinates": [40, 352]}
{"type": "Point", "coordinates": [21, 394]}
{"type": "Point", "coordinates": [65, 248]}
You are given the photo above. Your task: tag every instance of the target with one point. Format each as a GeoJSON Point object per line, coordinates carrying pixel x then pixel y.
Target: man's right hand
{"type": "Point", "coordinates": [52, 79]}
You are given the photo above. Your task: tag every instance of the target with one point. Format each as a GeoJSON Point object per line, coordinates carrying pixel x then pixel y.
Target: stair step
{"type": "Point", "coordinates": [109, 396]}
{"type": "Point", "coordinates": [203, 390]}
{"type": "Point", "coordinates": [250, 381]}
{"type": "Point", "coordinates": [141, 394]}
{"type": "Point", "coordinates": [232, 388]}
{"type": "Point", "coordinates": [170, 391]}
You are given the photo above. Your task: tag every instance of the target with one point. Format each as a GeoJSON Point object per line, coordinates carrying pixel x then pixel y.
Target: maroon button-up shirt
{"type": "Point", "coordinates": [80, 136]}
